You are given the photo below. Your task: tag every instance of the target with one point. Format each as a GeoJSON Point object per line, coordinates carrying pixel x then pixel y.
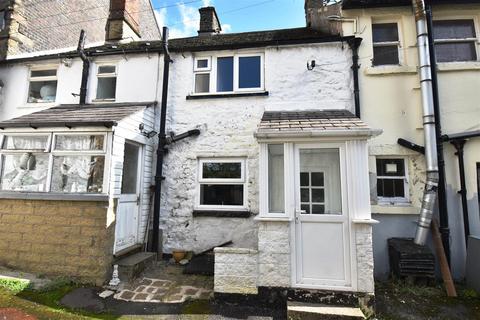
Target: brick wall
{"type": "Point", "coordinates": [57, 238]}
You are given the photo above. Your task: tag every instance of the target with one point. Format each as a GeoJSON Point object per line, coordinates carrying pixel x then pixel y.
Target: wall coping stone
{"type": "Point", "coordinates": [235, 250]}
{"type": "Point", "coordinates": [54, 196]}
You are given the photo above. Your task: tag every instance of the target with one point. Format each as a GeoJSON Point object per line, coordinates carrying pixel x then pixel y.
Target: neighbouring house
{"type": "Point", "coordinates": [280, 166]}
{"type": "Point", "coordinates": [390, 94]}
{"type": "Point", "coordinates": [28, 26]}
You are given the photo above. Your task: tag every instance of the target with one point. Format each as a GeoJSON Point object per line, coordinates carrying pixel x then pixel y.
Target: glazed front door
{"type": "Point", "coordinates": [321, 228]}
{"type": "Point", "coordinates": [126, 230]}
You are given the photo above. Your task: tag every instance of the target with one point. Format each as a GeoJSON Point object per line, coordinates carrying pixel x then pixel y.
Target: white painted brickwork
{"type": "Point", "coordinates": [236, 270]}
{"type": "Point", "coordinates": [363, 237]}
{"type": "Point", "coordinates": [227, 130]}
{"type": "Point", "coordinates": [274, 254]}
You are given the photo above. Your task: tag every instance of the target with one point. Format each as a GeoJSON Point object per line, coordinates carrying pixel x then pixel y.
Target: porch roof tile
{"type": "Point", "coordinates": [75, 115]}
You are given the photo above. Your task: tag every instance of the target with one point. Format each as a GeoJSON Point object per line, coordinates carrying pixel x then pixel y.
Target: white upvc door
{"type": "Point", "coordinates": [128, 211]}
{"type": "Point", "coordinates": [321, 236]}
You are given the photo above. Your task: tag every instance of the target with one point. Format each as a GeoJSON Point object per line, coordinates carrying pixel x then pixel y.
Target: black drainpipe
{"type": "Point", "coordinates": [442, 195]}
{"type": "Point", "coordinates": [354, 44]}
{"type": "Point", "coordinates": [162, 142]}
{"type": "Point", "coordinates": [86, 67]}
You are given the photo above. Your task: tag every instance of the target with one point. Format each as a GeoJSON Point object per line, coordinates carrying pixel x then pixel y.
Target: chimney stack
{"type": "Point", "coordinates": [317, 13]}
{"type": "Point", "coordinates": [123, 20]}
{"type": "Point", "coordinates": [209, 22]}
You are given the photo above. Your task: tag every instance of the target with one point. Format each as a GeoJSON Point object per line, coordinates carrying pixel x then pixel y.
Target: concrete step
{"type": "Point", "coordinates": [312, 311]}
{"type": "Point", "coordinates": [130, 267]}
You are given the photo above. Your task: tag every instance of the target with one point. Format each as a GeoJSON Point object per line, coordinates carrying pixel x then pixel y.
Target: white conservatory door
{"type": "Point", "coordinates": [321, 230]}
{"type": "Point", "coordinates": [127, 222]}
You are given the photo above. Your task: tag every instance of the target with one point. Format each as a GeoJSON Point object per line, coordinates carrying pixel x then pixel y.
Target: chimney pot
{"type": "Point", "coordinates": [209, 22]}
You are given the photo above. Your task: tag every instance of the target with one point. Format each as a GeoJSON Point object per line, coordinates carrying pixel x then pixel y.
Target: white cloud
{"type": "Point", "coordinates": [190, 19]}
{"type": "Point", "coordinates": [207, 3]}
{"type": "Point", "coordinates": [161, 16]}
{"type": "Point", "coordinates": [226, 28]}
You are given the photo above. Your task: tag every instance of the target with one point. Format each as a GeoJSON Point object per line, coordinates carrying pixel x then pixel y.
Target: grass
{"type": "Point", "coordinates": [14, 285]}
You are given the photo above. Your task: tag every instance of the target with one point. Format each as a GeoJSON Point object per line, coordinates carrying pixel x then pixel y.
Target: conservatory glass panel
{"type": "Point", "coordinates": [78, 174]}
{"type": "Point", "coordinates": [25, 172]}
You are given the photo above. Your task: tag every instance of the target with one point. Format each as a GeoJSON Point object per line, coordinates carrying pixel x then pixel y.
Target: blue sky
{"type": "Point", "coordinates": [235, 15]}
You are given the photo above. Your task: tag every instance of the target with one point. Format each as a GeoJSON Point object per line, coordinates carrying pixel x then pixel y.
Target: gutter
{"type": "Point", "coordinates": [85, 69]}
{"type": "Point", "coordinates": [354, 44]}
{"type": "Point", "coordinates": [431, 185]}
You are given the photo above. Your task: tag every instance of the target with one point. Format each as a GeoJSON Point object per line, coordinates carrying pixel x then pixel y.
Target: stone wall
{"type": "Point", "coordinates": [364, 246]}
{"type": "Point", "coordinates": [57, 238]}
{"type": "Point", "coordinates": [274, 254]}
{"type": "Point", "coordinates": [236, 270]}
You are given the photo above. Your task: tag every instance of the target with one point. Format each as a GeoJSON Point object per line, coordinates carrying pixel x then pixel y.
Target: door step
{"type": "Point", "coordinates": [311, 311]}
{"type": "Point", "coordinates": [130, 267]}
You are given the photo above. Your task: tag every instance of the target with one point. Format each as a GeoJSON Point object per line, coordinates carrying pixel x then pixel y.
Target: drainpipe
{"type": "Point", "coordinates": [354, 44]}
{"type": "Point", "coordinates": [162, 141]}
{"type": "Point", "coordinates": [431, 185]}
{"type": "Point", "coordinates": [86, 67]}
{"type": "Point", "coordinates": [442, 195]}
{"type": "Point", "coordinates": [459, 144]}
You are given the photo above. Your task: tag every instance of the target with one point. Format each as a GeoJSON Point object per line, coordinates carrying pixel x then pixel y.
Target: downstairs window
{"type": "Point", "coordinates": [392, 180]}
{"type": "Point", "coordinates": [55, 162]}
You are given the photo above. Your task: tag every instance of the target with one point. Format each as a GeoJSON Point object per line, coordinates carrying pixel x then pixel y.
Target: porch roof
{"type": "Point", "coordinates": [76, 115]}
{"type": "Point", "coordinates": [310, 123]}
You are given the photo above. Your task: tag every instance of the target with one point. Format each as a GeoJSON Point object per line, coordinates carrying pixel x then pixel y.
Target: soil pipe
{"type": "Point", "coordinates": [459, 144]}
{"type": "Point", "coordinates": [431, 185]}
{"type": "Point", "coordinates": [442, 194]}
{"type": "Point", "coordinates": [85, 69]}
{"type": "Point", "coordinates": [354, 44]}
{"type": "Point", "coordinates": [162, 137]}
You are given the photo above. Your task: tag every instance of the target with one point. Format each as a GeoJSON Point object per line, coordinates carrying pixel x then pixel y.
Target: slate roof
{"type": "Point", "coordinates": [311, 121]}
{"type": "Point", "coordinates": [76, 115]}
{"type": "Point", "coordinates": [358, 4]}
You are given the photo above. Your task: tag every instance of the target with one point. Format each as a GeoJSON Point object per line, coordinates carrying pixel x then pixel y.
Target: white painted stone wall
{"type": "Point", "coordinates": [274, 254]}
{"type": "Point", "coordinates": [363, 238]}
{"type": "Point", "coordinates": [236, 270]}
{"type": "Point", "coordinates": [227, 130]}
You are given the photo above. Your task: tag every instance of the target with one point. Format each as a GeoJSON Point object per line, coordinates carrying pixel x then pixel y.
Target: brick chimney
{"type": "Point", "coordinates": [317, 13]}
{"type": "Point", "coordinates": [209, 22]}
{"type": "Point", "coordinates": [123, 20]}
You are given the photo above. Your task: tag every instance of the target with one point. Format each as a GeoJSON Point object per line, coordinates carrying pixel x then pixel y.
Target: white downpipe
{"type": "Point", "coordinates": [431, 186]}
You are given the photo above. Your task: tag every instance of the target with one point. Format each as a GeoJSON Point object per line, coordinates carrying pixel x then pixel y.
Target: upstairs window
{"type": "Point", "coordinates": [391, 180]}
{"type": "Point", "coordinates": [43, 85]}
{"type": "Point", "coordinates": [385, 44]}
{"type": "Point", "coordinates": [228, 74]}
{"type": "Point", "coordinates": [106, 82]}
{"type": "Point", "coordinates": [222, 183]}
{"type": "Point", "coordinates": [455, 40]}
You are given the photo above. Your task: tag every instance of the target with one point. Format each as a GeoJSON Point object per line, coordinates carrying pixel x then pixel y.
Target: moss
{"type": "Point", "coordinates": [14, 285]}
{"type": "Point", "coordinates": [197, 307]}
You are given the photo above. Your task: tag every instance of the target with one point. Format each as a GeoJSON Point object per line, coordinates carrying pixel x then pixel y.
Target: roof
{"type": "Point", "coordinates": [75, 115]}
{"type": "Point", "coordinates": [311, 123]}
{"type": "Point", "coordinates": [358, 4]}
{"type": "Point", "coordinates": [204, 43]}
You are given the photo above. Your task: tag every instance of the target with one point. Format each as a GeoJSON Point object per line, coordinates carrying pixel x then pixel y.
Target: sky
{"type": "Point", "coordinates": [182, 18]}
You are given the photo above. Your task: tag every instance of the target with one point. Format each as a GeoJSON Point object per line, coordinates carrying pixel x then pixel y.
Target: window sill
{"type": "Point", "coordinates": [52, 196]}
{"type": "Point", "coordinates": [365, 221]}
{"type": "Point", "coordinates": [103, 100]}
{"type": "Point", "coordinates": [458, 66]}
{"type": "Point", "coordinates": [273, 219]}
{"type": "Point", "coordinates": [37, 105]}
{"type": "Point", "coordinates": [227, 95]}
{"type": "Point", "coordinates": [222, 213]}
{"type": "Point", "coordinates": [385, 70]}
{"type": "Point", "coordinates": [398, 208]}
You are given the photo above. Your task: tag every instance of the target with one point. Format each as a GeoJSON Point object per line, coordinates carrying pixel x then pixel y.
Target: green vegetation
{"type": "Point", "coordinates": [14, 285]}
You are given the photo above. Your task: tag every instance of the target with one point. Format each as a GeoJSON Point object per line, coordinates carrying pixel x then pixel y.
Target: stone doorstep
{"type": "Point", "coordinates": [131, 266]}
{"type": "Point", "coordinates": [299, 310]}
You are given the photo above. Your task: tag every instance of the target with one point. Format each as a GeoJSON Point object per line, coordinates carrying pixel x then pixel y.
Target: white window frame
{"type": "Point", "coordinates": [461, 40]}
{"type": "Point", "coordinates": [50, 150]}
{"type": "Point", "coordinates": [240, 181]}
{"type": "Point", "coordinates": [311, 203]}
{"type": "Point", "coordinates": [236, 73]}
{"type": "Point", "coordinates": [106, 75]}
{"type": "Point", "coordinates": [388, 43]}
{"type": "Point", "coordinates": [394, 200]}
{"type": "Point", "coordinates": [39, 79]}
{"type": "Point", "coordinates": [209, 64]}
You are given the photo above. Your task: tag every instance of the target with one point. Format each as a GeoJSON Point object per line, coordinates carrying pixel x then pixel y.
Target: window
{"type": "Point", "coordinates": [43, 85]}
{"type": "Point", "coordinates": [73, 163]}
{"type": "Point", "coordinates": [276, 186]}
{"type": "Point", "coordinates": [3, 23]}
{"type": "Point", "coordinates": [455, 40]}
{"type": "Point", "coordinates": [106, 82]}
{"type": "Point", "coordinates": [391, 180]}
{"type": "Point", "coordinates": [222, 183]}
{"type": "Point", "coordinates": [228, 73]}
{"type": "Point", "coordinates": [385, 44]}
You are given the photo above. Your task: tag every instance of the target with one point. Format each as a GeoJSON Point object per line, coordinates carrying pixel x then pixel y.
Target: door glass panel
{"type": "Point", "coordinates": [130, 169]}
{"type": "Point", "coordinates": [276, 192]}
{"type": "Point", "coordinates": [320, 181]}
